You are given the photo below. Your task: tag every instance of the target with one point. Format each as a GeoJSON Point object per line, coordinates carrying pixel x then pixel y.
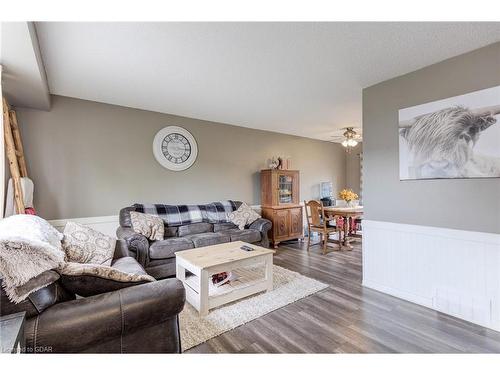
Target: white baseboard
{"type": "Point", "coordinates": [452, 271]}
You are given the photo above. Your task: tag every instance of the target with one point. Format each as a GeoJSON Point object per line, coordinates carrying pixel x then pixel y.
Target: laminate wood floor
{"type": "Point", "coordinates": [348, 318]}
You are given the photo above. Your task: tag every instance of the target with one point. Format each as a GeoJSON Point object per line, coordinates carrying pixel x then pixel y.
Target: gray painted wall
{"type": "Point", "coordinates": [469, 204]}
{"type": "Point", "coordinates": [91, 159]}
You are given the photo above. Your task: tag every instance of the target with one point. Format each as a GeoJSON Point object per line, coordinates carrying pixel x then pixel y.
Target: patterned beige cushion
{"type": "Point", "coordinates": [85, 245]}
{"type": "Point", "coordinates": [243, 215]}
{"type": "Point", "coordinates": [150, 226]}
{"type": "Point", "coordinates": [78, 269]}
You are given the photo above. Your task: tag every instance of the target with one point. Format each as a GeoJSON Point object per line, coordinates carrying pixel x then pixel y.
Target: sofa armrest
{"type": "Point", "coordinates": [78, 325]}
{"type": "Point", "coordinates": [124, 232]}
{"type": "Point", "coordinates": [121, 250]}
{"type": "Point", "coordinates": [138, 245]}
{"type": "Point", "coordinates": [263, 226]}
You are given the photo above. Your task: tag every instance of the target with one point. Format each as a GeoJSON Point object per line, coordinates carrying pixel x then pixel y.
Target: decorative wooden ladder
{"type": "Point", "coordinates": [15, 154]}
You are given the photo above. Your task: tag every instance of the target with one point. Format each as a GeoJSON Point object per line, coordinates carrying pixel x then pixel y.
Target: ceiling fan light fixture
{"type": "Point", "coordinates": [350, 139]}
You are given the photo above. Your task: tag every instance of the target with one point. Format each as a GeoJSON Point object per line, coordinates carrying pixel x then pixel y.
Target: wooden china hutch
{"type": "Point", "coordinates": [280, 204]}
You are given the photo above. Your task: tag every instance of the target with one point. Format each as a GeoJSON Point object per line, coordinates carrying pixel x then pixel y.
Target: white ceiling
{"type": "Point", "coordinates": [23, 78]}
{"type": "Point", "coordinates": [297, 78]}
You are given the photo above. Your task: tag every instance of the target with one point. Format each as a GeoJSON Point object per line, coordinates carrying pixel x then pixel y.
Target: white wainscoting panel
{"type": "Point", "coordinates": [104, 224]}
{"type": "Point", "coordinates": [452, 271]}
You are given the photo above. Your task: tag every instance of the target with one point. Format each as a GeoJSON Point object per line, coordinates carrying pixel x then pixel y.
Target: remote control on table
{"type": "Point", "coordinates": [246, 248]}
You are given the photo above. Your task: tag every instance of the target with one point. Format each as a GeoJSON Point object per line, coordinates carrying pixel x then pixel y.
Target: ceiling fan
{"type": "Point", "coordinates": [349, 137]}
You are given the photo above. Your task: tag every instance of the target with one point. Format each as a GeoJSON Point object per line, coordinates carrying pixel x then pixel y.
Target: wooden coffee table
{"type": "Point", "coordinates": [203, 262]}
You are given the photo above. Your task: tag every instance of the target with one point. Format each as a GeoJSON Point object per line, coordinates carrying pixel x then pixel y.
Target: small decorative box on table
{"type": "Point", "coordinates": [254, 270]}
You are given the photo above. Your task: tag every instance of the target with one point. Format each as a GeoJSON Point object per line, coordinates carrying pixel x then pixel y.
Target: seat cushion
{"type": "Point", "coordinates": [128, 265]}
{"type": "Point", "coordinates": [245, 235]}
{"type": "Point", "coordinates": [208, 239]}
{"type": "Point", "coordinates": [166, 248]}
{"type": "Point", "coordinates": [220, 227]}
{"type": "Point", "coordinates": [186, 230]}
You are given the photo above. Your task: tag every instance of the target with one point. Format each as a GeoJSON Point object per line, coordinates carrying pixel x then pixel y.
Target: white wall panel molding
{"type": "Point", "coordinates": [104, 224]}
{"type": "Point", "coordinates": [453, 271]}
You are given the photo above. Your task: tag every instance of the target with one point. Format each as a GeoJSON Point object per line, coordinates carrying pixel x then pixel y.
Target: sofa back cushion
{"type": "Point", "coordinates": [171, 231]}
{"type": "Point", "coordinates": [185, 230]}
{"type": "Point", "coordinates": [173, 215]}
{"type": "Point", "coordinates": [217, 212]}
{"type": "Point", "coordinates": [177, 215]}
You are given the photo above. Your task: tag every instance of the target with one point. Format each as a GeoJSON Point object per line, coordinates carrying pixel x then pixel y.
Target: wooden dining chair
{"type": "Point", "coordinates": [319, 223]}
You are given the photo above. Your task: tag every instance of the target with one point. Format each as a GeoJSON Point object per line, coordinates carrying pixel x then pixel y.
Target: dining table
{"type": "Point", "coordinates": [346, 213]}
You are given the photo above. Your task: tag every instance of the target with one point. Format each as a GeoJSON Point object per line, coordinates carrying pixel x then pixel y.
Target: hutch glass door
{"type": "Point", "coordinates": [285, 189]}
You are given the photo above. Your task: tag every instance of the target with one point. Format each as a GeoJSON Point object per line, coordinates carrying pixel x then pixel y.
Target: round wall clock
{"type": "Point", "coordinates": [175, 148]}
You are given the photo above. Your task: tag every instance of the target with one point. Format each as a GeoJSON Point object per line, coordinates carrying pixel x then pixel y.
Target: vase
{"type": "Point", "coordinates": [349, 204]}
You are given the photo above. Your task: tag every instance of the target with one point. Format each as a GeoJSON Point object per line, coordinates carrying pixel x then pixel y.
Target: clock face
{"type": "Point", "coordinates": [175, 148]}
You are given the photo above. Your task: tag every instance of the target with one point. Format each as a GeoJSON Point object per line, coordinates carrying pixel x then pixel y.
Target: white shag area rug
{"type": "Point", "coordinates": [288, 287]}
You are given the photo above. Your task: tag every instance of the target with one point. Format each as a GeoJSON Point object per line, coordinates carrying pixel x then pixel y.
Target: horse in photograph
{"type": "Point", "coordinates": [442, 143]}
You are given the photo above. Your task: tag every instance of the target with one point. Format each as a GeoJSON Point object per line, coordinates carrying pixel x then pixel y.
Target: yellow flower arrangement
{"type": "Point", "coordinates": [348, 195]}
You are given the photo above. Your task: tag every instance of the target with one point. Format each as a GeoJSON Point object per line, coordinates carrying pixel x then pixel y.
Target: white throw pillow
{"type": "Point", "coordinates": [86, 245]}
{"type": "Point", "coordinates": [244, 215]}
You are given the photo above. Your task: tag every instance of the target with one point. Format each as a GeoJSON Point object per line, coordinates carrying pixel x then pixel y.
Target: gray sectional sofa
{"type": "Point", "coordinates": [158, 257]}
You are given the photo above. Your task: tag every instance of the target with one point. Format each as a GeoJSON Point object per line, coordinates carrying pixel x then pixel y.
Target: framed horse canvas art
{"type": "Point", "coordinates": [457, 137]}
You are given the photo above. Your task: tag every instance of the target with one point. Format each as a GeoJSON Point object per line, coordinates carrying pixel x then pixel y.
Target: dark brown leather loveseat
{"type": "Point", "coordinates": [136, 319]}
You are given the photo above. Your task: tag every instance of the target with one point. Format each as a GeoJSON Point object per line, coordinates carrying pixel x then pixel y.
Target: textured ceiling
{"type": "Point", "coordinates": [296, 78]}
